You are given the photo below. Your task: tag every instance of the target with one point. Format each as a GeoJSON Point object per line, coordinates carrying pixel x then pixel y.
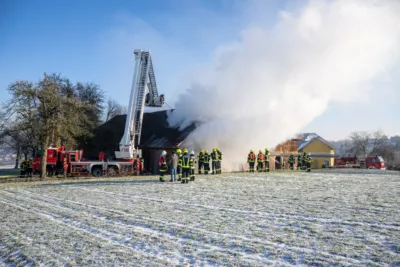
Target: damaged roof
{"type": "Point", "coordinates": [156, 132]}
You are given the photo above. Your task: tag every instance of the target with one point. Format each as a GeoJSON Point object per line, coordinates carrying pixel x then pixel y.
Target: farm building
{"type": "Point", "coordinates": [156, 136]}
{"type": "Point", "coordinates": [305, 142]}
{"type": "Point", "coordinates": [313, 143]}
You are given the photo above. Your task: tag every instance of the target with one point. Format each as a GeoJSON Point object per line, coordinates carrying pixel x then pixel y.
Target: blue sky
{"type": "Point", "coordinates": [92, 41]}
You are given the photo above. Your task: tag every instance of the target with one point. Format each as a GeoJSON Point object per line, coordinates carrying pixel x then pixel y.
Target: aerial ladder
{"type": "Point", "coordinates": [143, 76]}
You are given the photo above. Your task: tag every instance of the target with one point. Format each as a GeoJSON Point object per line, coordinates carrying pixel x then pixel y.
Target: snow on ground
{"type": "Point", "coordinates": [335, 218]}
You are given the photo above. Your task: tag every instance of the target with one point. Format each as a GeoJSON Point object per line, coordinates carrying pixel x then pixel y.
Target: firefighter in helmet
{"type": "Point", "coordinates": [206, 162]}
{"type": "Point", "coordinates": [266, 160]}
{"type": "Point", "coordinates": [291, 161]}
{"type": "Point", "coordinates": [192, 165]}
{"type": "Point", "coordinates": [260, 161]}
{"type": "Point", "coordinates": [162, 165]}
{"type": "Point", "coordinates": [251, 158]}
{"type": "Point", "coordinates": [186, 166]}
{"type": "Point", "coordinates": [179, 168]}
{"type": "Point", "coordinates": [200, 160]}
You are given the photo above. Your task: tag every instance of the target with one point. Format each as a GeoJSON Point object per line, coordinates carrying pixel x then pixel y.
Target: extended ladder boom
{"type": "Point", "coordinates": [144, 72]}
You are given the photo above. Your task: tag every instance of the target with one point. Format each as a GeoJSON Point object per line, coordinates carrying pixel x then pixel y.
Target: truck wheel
{"type": "Point", "coordinates": [96, 171]}
{"type": "Point", "coordinates": [371, 167]}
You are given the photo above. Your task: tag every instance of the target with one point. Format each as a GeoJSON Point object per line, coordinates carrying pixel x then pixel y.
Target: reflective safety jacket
{"type": "Point", "coordinates": [251, 157]}
{"type": "Point", "coordinates": [266, 156]}
{"type": "Point", "coordinates": [299, 157]}
{"type": "Point", "coordinates": [219, 155]}
{"type": "Point", "coordinates": [291, 159]}
{"type": "Point", "coordinates": [214, 156]}
{"type": "Point", "coordinates": [179, 159]}
{"type": "Point", "coordinates": [162, 164]}
{"type": "Point", "coordinates": [200, 157]}
{"type": "Point", "coordinates": [206, 158]}
{"type": "Point", "coordinates": [260, 157]}
{"type": "Point", "coordinates": [187, 161]}
{"type": "Point", "coordinates": [194, 161]}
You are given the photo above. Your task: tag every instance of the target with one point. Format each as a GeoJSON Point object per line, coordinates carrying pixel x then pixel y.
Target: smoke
{"type": "Point", "coordinates": [270, 84]}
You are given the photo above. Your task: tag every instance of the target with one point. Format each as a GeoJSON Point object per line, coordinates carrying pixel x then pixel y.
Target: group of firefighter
{"type": "Point", "coordinates": [262, 161]}
{"type": "Point", "coordinates": [26, 168]}
{"type": "Point", "coordinates": [181, 164]}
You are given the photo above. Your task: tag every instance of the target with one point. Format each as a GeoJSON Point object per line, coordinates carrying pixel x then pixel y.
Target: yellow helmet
{"type": "Point", "coordinates": [179, 151]}
{"type": "Point", "coordinates": [214, 149]}
{"type": "Point", "coordinates": [206, 151]}
{"type": "Point", "coordinates": [251, 150]}
{"type": "Point", "coordinates": [260, 151]}
{"type": "Point", "coordinates": [185, 150]}
{"type": "Point", "coordinates": [202, 151]}
{"type": "Point", "coordinates": [266, 149]}
{"type": "Point", "coordinates": [217, 149]}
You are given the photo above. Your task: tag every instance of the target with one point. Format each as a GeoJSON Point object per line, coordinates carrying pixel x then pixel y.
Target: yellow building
{"type": "Point", "coordinates": [316, 145]}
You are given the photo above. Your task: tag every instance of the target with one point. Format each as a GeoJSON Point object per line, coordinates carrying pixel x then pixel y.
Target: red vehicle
{"type": "Point", "coordinates": [77, 165]}
{"type": "Point", "coordinates": [370, 162]}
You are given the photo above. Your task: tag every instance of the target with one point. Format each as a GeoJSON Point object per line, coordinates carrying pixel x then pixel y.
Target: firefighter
{"type": "Point", "coordinates": [186, 166]}
{"type": "Point", "coordinates": [213, 160]}
{"type": "Point", "coordinates": [192, 165]}
{"type": "Point", "coordinates": [266, 159]}
{"type": "Point", "coordinates": [206, 162]}
{"type": "Point", "coordinates": [218, 161]}
{"type": "Point", "coordinates": [298, 161]}
{"type": "Point", "coordinates": [303, 161]}
{"type": "Point", "coordinates": [260, 161]}
{"type": "Point", "coordinates": [251, 158]}
{"type": "Point", "coordinates": [23, 167]}
{"type": "Point", "coordinates": [162, 165]}
{"type": "Point", "coordinates": [179, 168]}
{"type": "Point", "coordinates": [29, 168]}
{"type": "Point", "coordinates": [200, 159]}
{"type": "Point", "coordinates": [291, 161]}
{"type": "Point", "coordinates": [308, 163]}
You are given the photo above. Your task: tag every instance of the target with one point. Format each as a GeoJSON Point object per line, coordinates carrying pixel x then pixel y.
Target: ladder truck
{"type": "Point", "coordinates": [143, 75]}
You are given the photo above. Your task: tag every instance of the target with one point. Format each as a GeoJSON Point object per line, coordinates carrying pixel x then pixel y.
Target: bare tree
{"type": "Point", "coordinates": [359, 143]}
{"type": "Point", "coordinates": [114, 109]}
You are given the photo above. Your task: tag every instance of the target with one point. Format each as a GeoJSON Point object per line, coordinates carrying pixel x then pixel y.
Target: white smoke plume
{"type": "Point", "coordinates": [274, 81]}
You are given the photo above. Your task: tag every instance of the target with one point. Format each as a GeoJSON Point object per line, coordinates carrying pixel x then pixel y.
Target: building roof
{"type": "Point", "coordinates": [156, 133]}
{"type": "Point", "coordinates": [308, 138]}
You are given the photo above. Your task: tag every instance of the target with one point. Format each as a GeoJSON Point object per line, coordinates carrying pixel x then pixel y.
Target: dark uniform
{"type": "Point", "coordinates": [266, 165]}
{"type": "Point", "coordinates": [219, 161]}
{"type": "Point", "coordinates": [298, 161]}
{"type": "Point", "coordinates": [251, 158]}
{"type": "Point", "coordinates": [260, 161]}
{"type": "Point", "coordinates": [308, 161]}
{"type": "Point", "coordinates": [213, 160]}
{"type": "Point", "coordinates": [23, 167]}
{"type": "Point", "coordinates": [192, 166]}
{"type": "Point", "coordinates": [206, 162]}
{"type": "Point", "coordinates": [29, 168]}
{"type": "Point", "coordinates": [179, 168]}
{"type": "Point", "coordinates": [200, 159]}
{"type": "Point", "coordinates": [291, 161]}
{"type": "Point", "coordinates": [187, 163]}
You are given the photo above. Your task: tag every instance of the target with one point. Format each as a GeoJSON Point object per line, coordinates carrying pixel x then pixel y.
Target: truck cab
{"type": "Point", "coordinates": [375, 162]}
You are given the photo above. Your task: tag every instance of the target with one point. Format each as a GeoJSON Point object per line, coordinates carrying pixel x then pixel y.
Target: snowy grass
{"type": "Point", "coordinates": [328, 218]}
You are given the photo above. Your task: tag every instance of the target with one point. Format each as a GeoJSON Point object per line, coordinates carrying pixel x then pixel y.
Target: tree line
{"type": "Point", "coordinates": [363, 143]}
{"type": "Point", "coordinates": [52, 112]}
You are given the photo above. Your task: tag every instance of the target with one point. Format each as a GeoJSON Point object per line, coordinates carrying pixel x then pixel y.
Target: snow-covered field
{"type": "Point", "coordinates": [333, 218]}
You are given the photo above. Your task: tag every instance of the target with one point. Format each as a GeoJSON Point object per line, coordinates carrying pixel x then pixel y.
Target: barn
{"type": "Point", "coordinates": [156, 136]}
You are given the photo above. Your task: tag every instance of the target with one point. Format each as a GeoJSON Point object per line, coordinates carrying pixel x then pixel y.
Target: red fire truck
{"type": "Point", "coordinates": [370, 162]}
{"type": "Point", "coordinates": [77, 165]}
